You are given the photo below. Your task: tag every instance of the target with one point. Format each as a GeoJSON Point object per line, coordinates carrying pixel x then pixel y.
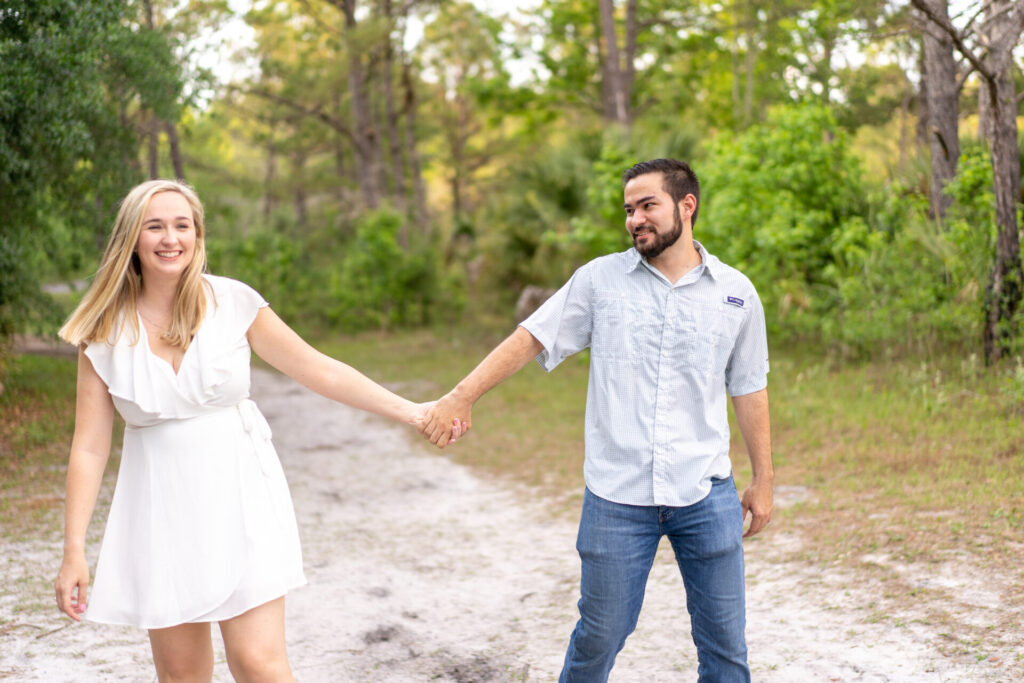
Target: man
{"type": "Point", "coordinates": [670, 330]}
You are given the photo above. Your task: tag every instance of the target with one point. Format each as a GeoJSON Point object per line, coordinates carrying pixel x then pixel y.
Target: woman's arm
{"type": "Point", "coordinates": [90, 450]}
{"type": "Point", "coordinates": [281, 347]}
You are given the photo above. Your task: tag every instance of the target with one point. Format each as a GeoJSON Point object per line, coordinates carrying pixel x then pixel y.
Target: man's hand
{"type": "Point", "coordinates": [757, 500]}
{"type": "Point", "coordinates": [447, 419]}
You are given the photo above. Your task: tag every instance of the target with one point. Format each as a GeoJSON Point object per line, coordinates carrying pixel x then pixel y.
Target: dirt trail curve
{"type": "Point", "coordinates": [421, 571]}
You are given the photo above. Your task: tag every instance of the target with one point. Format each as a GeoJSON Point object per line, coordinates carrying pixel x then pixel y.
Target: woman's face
{"type": "Point", "coordinates": [167, 242]}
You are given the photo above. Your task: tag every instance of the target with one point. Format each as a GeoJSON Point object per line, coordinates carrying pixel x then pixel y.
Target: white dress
{"type": "Point", "coordinates": [201, 526]}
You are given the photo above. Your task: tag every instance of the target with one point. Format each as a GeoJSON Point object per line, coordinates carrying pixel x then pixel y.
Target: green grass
{"type": "Point", "coordinates": [37, 421]}
{"type": "Point", "coordinates": [37, 414]}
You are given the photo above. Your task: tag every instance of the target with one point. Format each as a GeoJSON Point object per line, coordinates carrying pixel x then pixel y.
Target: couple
{"type": "Point", "coordinates": [670, 329]}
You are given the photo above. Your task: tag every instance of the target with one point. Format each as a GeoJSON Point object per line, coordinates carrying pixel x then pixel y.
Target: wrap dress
{"type": "Point", "coordinates": [201, 525]}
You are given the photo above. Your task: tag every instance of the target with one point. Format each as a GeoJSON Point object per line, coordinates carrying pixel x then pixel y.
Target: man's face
{"type": "Point", "coordinates": [652, 218]}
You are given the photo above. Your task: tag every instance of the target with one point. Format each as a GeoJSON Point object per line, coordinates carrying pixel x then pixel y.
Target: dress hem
{"type": "Point", "coordinates": [274, 595]}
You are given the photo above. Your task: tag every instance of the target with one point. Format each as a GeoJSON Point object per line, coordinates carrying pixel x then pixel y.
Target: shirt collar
{"type": "Point", "coordinates": [710, 262]}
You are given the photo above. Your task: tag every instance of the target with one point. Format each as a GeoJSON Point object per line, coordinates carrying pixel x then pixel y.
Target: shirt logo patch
{"type": "Point", "coordinates": [734, 300]}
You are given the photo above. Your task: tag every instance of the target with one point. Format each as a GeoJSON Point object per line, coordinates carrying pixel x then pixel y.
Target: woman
{"type": "Point", "coordinates": [201, 527]}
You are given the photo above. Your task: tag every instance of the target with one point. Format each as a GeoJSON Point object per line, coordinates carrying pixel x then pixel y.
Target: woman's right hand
{"type": "Point", "coordinates": [72, 584]}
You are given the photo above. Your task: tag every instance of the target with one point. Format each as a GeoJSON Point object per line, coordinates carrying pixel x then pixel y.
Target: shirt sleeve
{"type": "Point", "coordinates": [747, 370]}
{"type": "Point", "coordinates": [564, 322]}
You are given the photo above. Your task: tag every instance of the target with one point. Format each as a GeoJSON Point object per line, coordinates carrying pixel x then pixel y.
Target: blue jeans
{"type": "Point", "coordinates": [617, 544]}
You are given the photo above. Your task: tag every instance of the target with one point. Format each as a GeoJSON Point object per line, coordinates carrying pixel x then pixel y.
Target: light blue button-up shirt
{"type": "Point", "coordinates": [662, 357]}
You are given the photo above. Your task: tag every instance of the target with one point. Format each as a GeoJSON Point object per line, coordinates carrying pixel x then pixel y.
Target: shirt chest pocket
{"type": "Point", "coordinates": [726, 322]}
{"type": "Point", "coordinates": [717, 328]}
{"type": "Point", "coordinates": [622, 328]}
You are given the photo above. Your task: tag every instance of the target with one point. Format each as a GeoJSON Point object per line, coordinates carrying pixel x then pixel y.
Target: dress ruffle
{"type": "Point", "coordinates": [131, 370]}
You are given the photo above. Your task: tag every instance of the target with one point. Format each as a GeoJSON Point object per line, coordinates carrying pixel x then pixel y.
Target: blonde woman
{"type": "Point", "coordinates": [201, 527]}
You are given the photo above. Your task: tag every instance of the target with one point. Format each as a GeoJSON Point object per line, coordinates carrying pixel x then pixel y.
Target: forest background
{"type": "Point", "coordinates": [391, 175]}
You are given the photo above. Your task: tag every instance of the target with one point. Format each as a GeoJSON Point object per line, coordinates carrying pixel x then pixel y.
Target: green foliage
{"type": "Point", "coordinates": [785, 203]}
{"type": "Point", "coordinates": [601, 229]}
{"type": "Point", "coordinates": [70, 74]}
{"type": "Point", "coordinates": [318, 281]}
{"type": "Point", "coordinates": [920, 286]}
{"type": "Point", "coordinates": [379, 284]}
{"type": "Point", "coordinates": [1013, 388]}
{"type": "Point", "coordinates": [267, 261]}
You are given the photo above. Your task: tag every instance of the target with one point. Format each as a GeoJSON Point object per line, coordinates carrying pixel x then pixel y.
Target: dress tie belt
{"type": "Point", "coordinates": [258, 429]}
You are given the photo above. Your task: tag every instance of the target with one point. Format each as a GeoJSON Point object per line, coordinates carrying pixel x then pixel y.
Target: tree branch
{"type": "Point", "coordinates": [953, 33]}
{"type": "Point", "coordinates": [316, 112]}
{"type": "Point", "coordinates": [962, 79]}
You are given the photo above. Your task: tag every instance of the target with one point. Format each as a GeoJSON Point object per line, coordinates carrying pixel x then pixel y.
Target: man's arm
{"type": "Point", "coordinates": [505, 360]}
{"type": "Point", "coordinates": [752, 416]}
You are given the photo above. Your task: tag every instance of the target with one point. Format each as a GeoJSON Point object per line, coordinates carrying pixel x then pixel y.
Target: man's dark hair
{"type": "Point", "coordinates": [679, 179]}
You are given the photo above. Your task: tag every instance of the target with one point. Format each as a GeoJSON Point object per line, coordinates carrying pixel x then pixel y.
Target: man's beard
{"type": "Point", "coordinates": [662, 241]}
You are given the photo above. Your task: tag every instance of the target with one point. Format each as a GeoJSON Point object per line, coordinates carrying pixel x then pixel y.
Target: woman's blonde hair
{"type": "Point", "coordinates": [111, 300]}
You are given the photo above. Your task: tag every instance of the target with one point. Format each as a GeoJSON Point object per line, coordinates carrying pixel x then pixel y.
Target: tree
{"type": "Point", "coordinates": [941, 91]}
{"type": "Point", "coordinates": [72, 74]}
{"type": "Point", "coordinates": [991, 57]}
{"type": "Point", "coordinates": [462, 59]}
{"type": "Point", "coordinates": [617, 64]}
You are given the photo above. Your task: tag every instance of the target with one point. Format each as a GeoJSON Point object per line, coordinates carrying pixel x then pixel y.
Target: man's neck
{"type": "Point", "coordinates": [677, 260]}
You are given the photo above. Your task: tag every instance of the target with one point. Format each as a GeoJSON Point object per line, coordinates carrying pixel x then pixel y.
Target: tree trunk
{"type": "Point", "coordinates": [1006, 285]}
{"type": "Point", "coordinates": [616, 106]}
{"type": "Point", "coordinates": [153, 146]}
{"type": "Point", "coordinates": [340, 167]}
{"type": "Point", "coordinates": [299, 190]}
{"type": "Point", "coordinates": [153, 124]}
{"type": "Point", "coordinates": [998, 35]}
{"type": "Point", "coordinates": [175, 148]}
{"type": "Point", "coordinates": [941, 93]}
{"type": "Point", "coordinates": [825, 70]}
{"type": "Point", "coordinates": [269, 179]}
{"type": "Point", "coordinates": [394, 139]}
{"type": "Point", "coordinates": [363, 132]}
{"type": "Point", "coordinates": [749, 65]}
{"type": "Point", "coordinates": [921, 129]}
{"type": "Point", "coordinates": [628, 70]}
{"type": "Point", "coordinates": [419, 191]}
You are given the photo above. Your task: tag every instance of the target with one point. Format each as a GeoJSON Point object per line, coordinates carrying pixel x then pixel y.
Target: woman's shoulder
{"type": "Point", "coordinates": [221, 285]}
{"type": "Point", "coordinates": [232, 293]}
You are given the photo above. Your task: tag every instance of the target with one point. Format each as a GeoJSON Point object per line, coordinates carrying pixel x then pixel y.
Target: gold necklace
{"type": "Point", "coordinates": [162, 328]}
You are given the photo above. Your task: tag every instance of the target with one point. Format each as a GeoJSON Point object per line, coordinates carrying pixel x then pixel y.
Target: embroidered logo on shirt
{"type": "Point", "coordinates": [734, 300]}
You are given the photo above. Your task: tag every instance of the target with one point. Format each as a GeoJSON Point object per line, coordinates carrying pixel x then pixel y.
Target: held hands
{"type": "Point", "coordinates": [757, 500]}
{"type": "Point", "coordinates": [447, 419]}
{"type": "Point", "coordinates": [72, 584]}
{"type": "Point", "coordinates": [421, 419]}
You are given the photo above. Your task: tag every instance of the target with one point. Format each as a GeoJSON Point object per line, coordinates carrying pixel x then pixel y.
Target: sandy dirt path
{"type": "Point", "coordinates": [420, 570]}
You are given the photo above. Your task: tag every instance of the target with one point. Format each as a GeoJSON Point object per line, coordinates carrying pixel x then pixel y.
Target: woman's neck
{"type": "Point", "coordinates": [158, 295]}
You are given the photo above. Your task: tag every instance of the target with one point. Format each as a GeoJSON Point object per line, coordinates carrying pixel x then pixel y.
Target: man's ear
{"type": "Point", "coordinates": [687, 205]}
